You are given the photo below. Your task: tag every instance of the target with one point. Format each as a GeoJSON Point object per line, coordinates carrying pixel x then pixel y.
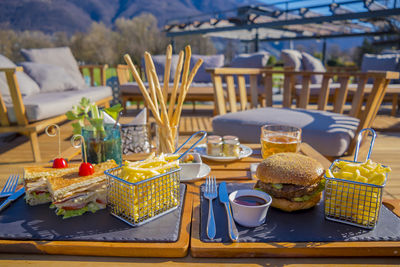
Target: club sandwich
{"type": "Point", "coordinates": [35, 182]}
{"type": "Point", "coordinates": [73, 195]}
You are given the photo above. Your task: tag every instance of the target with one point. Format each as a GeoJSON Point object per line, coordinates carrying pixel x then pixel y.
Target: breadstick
{"type": "Point", "coordinates": [188, 54]}
{"type": "Point", "coordinates": [142, 88]}
{"type": "Point", "coordinates": [152, 82]}
{"type": "Point", "coordinates": [167, 72]}
{"type": "Point", "coordinates": [176, 84]}
{"type": "Point", "coordinates": [178, 109]}
{"type": "Point", "coordinates": [164, 117]}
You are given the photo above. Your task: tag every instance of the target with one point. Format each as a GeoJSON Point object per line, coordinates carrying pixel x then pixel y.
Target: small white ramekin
{"type": "Point", "coordinates": [250, 216]}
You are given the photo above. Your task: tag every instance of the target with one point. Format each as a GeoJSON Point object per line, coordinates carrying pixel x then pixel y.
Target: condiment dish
{"type": "Point", "coordinates": [252, 210]}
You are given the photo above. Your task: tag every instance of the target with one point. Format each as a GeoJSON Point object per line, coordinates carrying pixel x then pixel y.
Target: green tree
{"type": "Point", "coordinates": [137, 35]}
{"type": "Point", "coordinates": [366, 47]}
{"type": "Point", "coordinates": [97, 46]}
{"type": "Point", "coordinates": [200, 44]}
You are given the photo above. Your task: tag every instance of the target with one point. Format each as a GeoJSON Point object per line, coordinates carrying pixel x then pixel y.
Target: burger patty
{"type": "Point", "coordinates": [288, 191]}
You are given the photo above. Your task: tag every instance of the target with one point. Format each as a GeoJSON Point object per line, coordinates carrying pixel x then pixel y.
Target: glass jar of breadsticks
{"type": "Point", "coordinates": [166, 109]}
{"type": "Point", "coordinates": [353, 189]}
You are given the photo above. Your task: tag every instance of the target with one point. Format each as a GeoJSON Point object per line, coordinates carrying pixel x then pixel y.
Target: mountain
{"type": "Point", "coordinates": [77, 15]}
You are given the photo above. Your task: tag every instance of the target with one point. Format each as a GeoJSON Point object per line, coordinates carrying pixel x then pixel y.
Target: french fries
{"type": "Point", "coordinates": [167, 116]}
{"type": "Point", "coordinates": [367, 172]}
{"type": "Point", "coordinates": [147, 199]}
{"type": "Point", "coordinates": [355, 202]}
{"type": "Point", "coordinates": [134, 172]}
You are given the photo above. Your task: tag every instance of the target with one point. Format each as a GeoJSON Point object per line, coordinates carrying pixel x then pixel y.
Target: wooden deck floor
{"type": "Point", "coordinates": [16, 154]}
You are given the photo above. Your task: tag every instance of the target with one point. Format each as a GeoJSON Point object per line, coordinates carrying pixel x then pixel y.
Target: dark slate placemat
{"type": "Point", "coordinates": [300, 226]}
{"type": "Point", "coordinates": [23, 222]}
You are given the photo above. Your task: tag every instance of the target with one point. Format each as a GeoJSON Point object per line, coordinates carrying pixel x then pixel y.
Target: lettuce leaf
{"type": "Point", "coordinates": [38, 198]}
{"type": "Point", "coordinates": [92, 207]}
{"type": "Point", "coordinates": [321, 187]}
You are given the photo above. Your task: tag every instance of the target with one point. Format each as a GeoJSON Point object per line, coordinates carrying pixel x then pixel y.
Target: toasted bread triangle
{"type": "Point", "coordinates": [71, 183]}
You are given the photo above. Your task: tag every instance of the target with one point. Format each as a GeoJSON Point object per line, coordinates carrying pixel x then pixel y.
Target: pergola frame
{"type": "Point", "coordinates": [265, 23]}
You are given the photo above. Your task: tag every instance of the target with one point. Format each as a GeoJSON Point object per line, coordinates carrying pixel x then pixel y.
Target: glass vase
{"type": "Point", "coordinates": [166, 139]}
{"type": "Point", "coordinates": [103, 145]}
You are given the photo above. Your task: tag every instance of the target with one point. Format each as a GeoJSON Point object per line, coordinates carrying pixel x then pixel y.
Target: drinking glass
{"type": "Point", "coordinates": [102, 146]}
{"type": "Point", "coordinates": [279, 138]}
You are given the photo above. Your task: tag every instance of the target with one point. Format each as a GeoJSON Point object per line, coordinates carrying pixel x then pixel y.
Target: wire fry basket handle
{"type": "Point", "coordinates": [359, 138]}
{"type": "Point", "coordinates": [203, 135]}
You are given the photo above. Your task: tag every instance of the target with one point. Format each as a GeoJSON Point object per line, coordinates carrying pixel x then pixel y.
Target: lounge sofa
{"type": "Point", "coordinates": [50, 85]}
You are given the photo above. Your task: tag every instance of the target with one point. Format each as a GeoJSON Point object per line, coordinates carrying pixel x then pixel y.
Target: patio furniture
{"type": "Point", "coordinates": [301, 61]}
{"type": "Point", "coordinates": [28, 110]}
{"type": "Point", "coordinates": [201, 88]}
{"type": "Point", "coordinates": [325, 127]}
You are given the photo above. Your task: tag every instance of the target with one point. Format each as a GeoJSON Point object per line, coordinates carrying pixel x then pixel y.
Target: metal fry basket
{"type": "Point", "coordinates": [352, 202]}
{"type": "Point", "coordinates": [141, 202]}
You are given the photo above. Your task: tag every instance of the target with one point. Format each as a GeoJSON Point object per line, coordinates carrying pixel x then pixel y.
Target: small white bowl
{"type": "Point", "coordinates": [195, 170]}
{"type": "Point", "coordinates": [250, 216]}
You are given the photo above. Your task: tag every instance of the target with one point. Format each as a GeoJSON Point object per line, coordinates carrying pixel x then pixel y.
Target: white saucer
{"type": "Point", "coordinates": [245, 151]}
{"type": "Point", "coordinates": [194, 171]}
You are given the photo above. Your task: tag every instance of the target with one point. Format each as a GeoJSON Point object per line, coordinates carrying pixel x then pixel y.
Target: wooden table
{"type": "Point", "coordinates": [236, 171]}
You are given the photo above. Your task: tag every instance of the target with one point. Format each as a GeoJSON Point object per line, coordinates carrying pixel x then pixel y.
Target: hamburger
{"type": "Point", "coordinates": [292, 180]}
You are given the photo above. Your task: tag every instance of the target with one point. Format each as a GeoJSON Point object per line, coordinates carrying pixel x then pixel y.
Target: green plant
{"type": "Point", "coordinates": [88, 111]}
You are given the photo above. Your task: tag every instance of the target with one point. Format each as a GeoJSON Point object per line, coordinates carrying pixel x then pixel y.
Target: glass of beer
{"type": "Point", "coordinates": [279, 138]}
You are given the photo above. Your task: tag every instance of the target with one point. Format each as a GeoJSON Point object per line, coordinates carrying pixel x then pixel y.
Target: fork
{"type": "Point", "coordinates": [10, 186]}
{"type": "Point", "coordinates": [210, 192]}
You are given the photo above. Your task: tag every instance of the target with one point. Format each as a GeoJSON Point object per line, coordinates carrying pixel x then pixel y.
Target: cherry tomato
{"type": "Point", "coordinates": [60, 163]}
{"type": "Point", "coordinates": [86, 169]}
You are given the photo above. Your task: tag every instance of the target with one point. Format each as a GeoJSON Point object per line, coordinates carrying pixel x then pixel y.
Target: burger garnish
{"type": "Point", "coordinates": [294, 181]}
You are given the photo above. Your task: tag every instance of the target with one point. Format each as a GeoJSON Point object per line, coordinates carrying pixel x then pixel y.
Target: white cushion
{"type": "Point", "coordinates": [311, 63]}
{"type": "Point", "coordinates": [46, 105]}
{"type": "Point", "coordinates": [252, 60]}
{"type": "Point", "coordinates": [60, 56]}
{"type": "Point", "coordinates": [292, 59]}
{"type": "Point", "coordinates": [27, 86]}
{"type": "Point", "coordinates": [51, 78]}
{"type": "Point", "coordinates": [327, 132]}
{"type": "Point", "coordinates": [209, 62]}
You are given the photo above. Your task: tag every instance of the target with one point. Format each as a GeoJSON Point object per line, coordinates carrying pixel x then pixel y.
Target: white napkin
{"type": "Point", "coordinates": [140, 119]}
{"type": "Point", "coordinates": [108, 119]}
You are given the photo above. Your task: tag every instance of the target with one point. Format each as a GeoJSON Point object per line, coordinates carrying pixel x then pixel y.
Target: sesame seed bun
{"type": "Point", "coordinates": [289, 168]}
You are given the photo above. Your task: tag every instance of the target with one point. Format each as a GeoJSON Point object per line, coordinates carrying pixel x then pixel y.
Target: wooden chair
{"type": "Point", "coordinates": [22, 125]}
{"type": "Point", "coordinates": [102, 69]}
{"type": "Point", "coordinates": [365, 113]}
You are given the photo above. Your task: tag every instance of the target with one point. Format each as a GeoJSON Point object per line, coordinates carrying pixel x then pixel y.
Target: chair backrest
{"type": "Point", "coordinates": [365, 112]}
{"type": "Point", "coordinates": [91, 68]}
{"type": "Point", "coordinates": [16, 97]}
{"type": "Point", "coordinates": [123, 74]}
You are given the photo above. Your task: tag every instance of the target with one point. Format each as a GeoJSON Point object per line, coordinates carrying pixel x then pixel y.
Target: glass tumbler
{"type": "Point", "coordinates": [279, 138]}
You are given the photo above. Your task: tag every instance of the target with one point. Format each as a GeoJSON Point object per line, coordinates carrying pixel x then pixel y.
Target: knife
{"type": "Point", "coordinates": [11, 198]}
{"type": "Point", "coordinates": [223, 197]}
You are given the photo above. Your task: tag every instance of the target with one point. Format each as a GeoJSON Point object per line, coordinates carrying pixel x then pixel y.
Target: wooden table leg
{"type": "Point", "coordinates": [395, 102]}
{"type": "Point", "coordinates": [35, 146]}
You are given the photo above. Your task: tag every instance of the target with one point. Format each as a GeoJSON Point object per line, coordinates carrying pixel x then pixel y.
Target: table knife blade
{"type": "Point", "coordinates": [12, 198]}
{"type": "Point", "coordinates": [223, 197]}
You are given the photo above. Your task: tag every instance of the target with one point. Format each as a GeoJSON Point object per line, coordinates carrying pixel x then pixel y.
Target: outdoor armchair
{"type": "Point", "coordinates": [29, 111]}
{"type": "Point", "coordinates": [330, 128]}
